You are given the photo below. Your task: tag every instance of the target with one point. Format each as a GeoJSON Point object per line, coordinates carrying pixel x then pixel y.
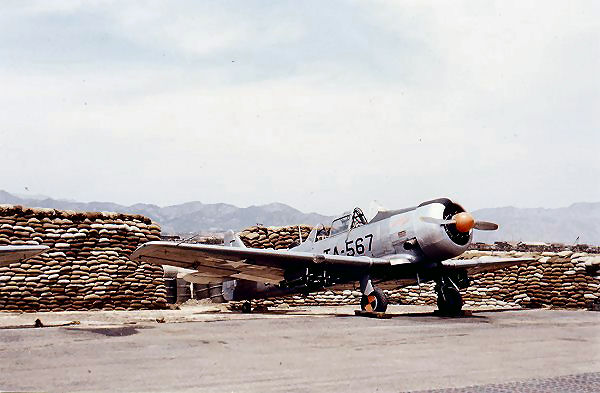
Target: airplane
{"type": "Point", "coordinates": [12, 254]}
{"type": "Point", "coordinates": [395, 247]}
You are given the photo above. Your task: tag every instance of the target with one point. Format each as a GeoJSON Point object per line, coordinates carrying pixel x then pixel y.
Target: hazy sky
{"type": "Point", "coordinates": [322, 105]}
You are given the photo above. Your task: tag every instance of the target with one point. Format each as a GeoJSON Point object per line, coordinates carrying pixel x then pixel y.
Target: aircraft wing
{"type": "Point", "coordinates": [484, 264]}
{"type": "Point", "coordinates": [12, 254]}
{"type": "Point", "coordinates": [218, 263]}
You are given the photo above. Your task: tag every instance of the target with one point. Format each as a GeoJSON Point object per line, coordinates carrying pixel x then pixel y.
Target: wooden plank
{"type": "Point", "coordinates": [379, 315]}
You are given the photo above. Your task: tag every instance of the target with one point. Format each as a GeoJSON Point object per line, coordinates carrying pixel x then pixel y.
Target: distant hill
{"type": "Point", "coordinates": [190, 217]}
{"type": "Point", "coordinates": [561, 225]}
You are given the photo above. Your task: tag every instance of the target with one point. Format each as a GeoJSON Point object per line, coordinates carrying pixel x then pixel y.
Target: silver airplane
{"type": "Point", "coordinates": [394, 248]}
{"type": "Point", "coordinates": [12, 254]}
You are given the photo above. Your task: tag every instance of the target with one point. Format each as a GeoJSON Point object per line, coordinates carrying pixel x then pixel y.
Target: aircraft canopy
{"type": "Point", "coordinates": [348, 221]}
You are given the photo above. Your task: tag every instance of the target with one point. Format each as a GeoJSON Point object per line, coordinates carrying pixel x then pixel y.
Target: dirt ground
{"type": "Point", "coordinates": [205, 347]}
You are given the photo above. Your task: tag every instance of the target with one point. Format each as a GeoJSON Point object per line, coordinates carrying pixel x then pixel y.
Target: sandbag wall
{"type": "Point", "coordinates": [559, 277]}
{"type": "Point", "coordinates": [87, 267]}
{"type": "Point", "coordinates": [274, 237]}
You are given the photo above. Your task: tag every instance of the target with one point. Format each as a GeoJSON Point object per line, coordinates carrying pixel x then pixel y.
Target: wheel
{"type": "Point", "coordinates": [246, 308]}
{"type": "Point", "coordinates": [375, 302]}
{"type": "Point", "coordinates": [449, 301]}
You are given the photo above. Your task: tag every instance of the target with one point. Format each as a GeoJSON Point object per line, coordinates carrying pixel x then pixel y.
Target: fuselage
{"type": "Point", "coordinates": [399, 235]}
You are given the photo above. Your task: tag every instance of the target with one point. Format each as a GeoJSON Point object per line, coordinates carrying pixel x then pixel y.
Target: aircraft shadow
{"type": "Point", "coordinates": [469, 314]}
{"type": "Point", "coordinates": [410, 315]}
{"type": "Point", "coordinates": [430, 315]}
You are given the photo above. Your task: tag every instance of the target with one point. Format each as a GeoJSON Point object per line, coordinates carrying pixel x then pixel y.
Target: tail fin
{"type": "Point", "coordinates": [312, 236]}
{"type": "Point", "coordinates": [230, 239]}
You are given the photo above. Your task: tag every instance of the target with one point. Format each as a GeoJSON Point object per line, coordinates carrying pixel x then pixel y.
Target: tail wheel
{"type": "Point", "coordinates": [449, 301]}
{"type": "Point", "coordinates": [246, 308]}
{"type": "Point", "coordinates": [375, 302]}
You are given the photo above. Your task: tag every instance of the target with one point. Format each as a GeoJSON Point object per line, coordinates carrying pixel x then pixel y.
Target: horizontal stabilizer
{"type": "Point", "coordinates": [12, 254]}
{"type": "Point", "coordinates": [230, 239]}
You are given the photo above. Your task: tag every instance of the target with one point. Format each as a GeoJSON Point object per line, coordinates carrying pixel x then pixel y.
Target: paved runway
{"type": "Point", "coordinates": [316, 349]}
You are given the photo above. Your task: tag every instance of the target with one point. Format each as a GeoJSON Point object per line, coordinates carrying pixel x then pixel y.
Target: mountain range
{"type": "Point", "coordinates": [579, 222]}
{"type": "Point", "coordinates": [185, 218]}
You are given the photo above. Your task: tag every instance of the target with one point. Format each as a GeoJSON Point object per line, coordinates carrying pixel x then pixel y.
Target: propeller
{"type": "Point", "coordinates": [464, 222]}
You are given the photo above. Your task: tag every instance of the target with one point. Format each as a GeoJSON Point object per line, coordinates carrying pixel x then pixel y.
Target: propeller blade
{"type": "Point", "coordinates": [437, 221]}
{"type": "Point", "coordinates": [464, 222]}
{"type": "Point", "coordinates": [485, 226]}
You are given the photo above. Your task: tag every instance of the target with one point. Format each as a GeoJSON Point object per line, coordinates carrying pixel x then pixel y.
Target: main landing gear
{"type": "Point", "coordinates": [449, 299]}
{"type": "Point", "coordinates": [375, 302]}
{"type": "Point", "coordinates": [373, 299]}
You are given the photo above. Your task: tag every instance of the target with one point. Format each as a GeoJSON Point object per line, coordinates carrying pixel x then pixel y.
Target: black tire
{"type": "Point", "coordinates": [246, 308]}
{"type": "Point", "coordinates": [449, 301]}
{"type": "Point", "coordinates": [378, 301]}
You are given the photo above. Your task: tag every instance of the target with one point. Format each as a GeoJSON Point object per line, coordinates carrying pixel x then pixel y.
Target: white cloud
{"type": "Point", "coordinates": [203, 28]}
{"type": "Point", "coordinates": [475, 103]}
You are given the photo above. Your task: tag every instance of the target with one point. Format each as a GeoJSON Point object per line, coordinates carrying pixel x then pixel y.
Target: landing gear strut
{"type": "Point", "coordinates": [449, 300]}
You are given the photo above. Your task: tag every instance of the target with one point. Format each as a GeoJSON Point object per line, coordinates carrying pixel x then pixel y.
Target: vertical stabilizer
{"type": "Point", "coordinates": [312, 236]}
{"type": "Point", "coordinates": [230, 239]}
{"type": "Point", "coordinates": [374, 208]}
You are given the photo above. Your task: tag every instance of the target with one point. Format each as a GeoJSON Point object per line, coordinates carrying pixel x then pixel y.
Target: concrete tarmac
{"type": "Point", "coordinates": [207, 349]}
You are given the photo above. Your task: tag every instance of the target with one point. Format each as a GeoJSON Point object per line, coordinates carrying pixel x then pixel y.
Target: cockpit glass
{"type": "Point", "coordinates": [340, 225]}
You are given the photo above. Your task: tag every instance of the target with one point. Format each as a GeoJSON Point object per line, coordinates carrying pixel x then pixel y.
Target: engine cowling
{"type": "Point", "coordinates": [440, 241]}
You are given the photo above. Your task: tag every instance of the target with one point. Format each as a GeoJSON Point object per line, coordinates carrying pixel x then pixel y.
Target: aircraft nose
{"type": "Point", "coordinates": [464, 222]}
